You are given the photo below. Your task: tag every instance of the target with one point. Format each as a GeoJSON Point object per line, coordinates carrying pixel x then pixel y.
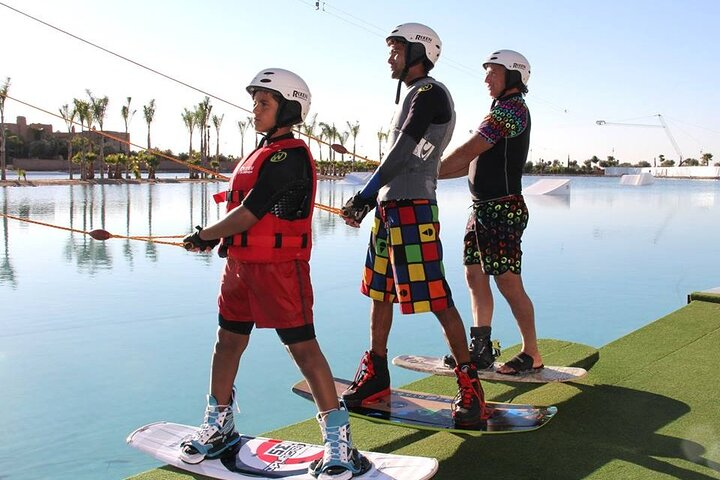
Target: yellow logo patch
{"type": "Point", "coordinates": [425, 88]}
{"type": "Point", "coordinates": [278, 157]}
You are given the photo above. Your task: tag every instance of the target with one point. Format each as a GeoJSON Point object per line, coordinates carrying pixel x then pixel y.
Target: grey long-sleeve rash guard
{"type": "Point", "coordinates": [422, 128]}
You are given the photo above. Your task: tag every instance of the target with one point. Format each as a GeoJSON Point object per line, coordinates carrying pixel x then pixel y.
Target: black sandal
{"type": "Point", "coordinates": [522, 364]}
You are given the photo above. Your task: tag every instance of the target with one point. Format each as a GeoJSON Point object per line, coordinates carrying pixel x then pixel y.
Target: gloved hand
{"type": "Point", "coordinates": [194, 242]}
{"type": "Point", "coordinates": [357, 208]}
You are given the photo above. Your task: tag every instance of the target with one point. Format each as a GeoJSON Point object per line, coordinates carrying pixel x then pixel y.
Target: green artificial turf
{"type": "Point", "coordinates": [709, 296]}
{"type": "Point", "coordinates": [648, 409]}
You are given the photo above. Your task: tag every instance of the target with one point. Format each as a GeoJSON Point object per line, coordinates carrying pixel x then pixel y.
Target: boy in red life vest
{"type": "Point", "coordinates": [266, 236]}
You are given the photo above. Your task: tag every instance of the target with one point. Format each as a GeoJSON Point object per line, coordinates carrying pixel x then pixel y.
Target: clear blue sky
{"type": "Point", "coordinates": [620, 61]}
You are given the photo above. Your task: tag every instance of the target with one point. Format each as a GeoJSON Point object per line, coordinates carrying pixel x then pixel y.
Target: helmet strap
{"type": "Point", "coordinates": [268, 134]}
{"type": "Point", "coordinates": [399, 85]}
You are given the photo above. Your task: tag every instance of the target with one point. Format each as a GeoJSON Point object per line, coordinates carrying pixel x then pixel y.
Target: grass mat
{"type": "Point", "coordinates": [648, 409]}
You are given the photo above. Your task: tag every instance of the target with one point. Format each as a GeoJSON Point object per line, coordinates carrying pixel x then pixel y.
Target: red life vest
{"type": "Point", "coordinates": [271, 239]}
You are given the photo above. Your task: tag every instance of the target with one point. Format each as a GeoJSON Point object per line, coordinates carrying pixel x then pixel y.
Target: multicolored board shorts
{"type": "Point", "coordinates": [493, 234]}
{"type": "Point", "coordinates": [404, 258]}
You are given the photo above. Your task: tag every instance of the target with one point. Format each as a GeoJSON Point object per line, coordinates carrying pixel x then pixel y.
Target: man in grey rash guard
{"type": "Point", "coordinates": [404, 257]}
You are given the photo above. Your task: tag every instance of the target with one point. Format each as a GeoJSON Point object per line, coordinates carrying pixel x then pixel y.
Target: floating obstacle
{"type": "Point", "coordinates": [549, 186]}
{"type": "Point", "coordinates": [640, 179]}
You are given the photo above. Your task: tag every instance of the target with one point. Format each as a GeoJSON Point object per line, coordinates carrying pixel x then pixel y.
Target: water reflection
{"type": "Point", "coordinates": [7, 273]}
{"type": "Point", "coordinates": [132, 210]}
{"type": "Point", "coordinates": [129, 209]}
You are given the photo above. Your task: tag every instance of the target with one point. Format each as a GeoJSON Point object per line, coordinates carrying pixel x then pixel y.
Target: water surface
{"type": "Point", "coordinates": [99, 338]}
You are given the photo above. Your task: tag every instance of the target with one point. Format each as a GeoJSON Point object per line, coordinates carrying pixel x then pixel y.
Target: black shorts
{"type": "Point", "coordinates": [493, 235]}
{"type": "Point", "coordinates": [288, 336]}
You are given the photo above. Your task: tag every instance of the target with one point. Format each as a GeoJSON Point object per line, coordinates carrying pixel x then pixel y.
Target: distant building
{"type": "Point", "coordinates": [28, 133]}
{"type": "Point", "coordinates": [41, 131]}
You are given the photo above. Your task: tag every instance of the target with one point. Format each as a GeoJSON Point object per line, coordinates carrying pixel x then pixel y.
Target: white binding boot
{"type": "Point", "coordinates": [216, 434]}
{"type": "Point", "coordinates": [340, 461]}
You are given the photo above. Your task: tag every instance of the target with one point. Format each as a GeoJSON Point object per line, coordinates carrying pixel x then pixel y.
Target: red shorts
{"type": "Point", "coordinates": [271, 295]}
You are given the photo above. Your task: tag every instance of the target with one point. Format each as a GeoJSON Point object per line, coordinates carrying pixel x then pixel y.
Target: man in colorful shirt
{"type": "Point", "coordinates": [493, 159]}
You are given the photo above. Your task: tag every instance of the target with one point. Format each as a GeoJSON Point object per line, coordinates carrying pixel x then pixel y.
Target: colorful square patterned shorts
{"type": "Point", "coordinates": [404, 258]}
{"type": "Point", "coordinates": [494, 233]}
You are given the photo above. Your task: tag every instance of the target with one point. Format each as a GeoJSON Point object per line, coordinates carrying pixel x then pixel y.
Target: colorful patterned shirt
{"type": "Point", "coordinates": [498, 172]}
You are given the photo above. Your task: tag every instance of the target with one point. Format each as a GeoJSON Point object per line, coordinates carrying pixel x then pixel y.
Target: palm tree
{"type": "Point", "coordinates": [188, 117]}
{"type": "Point", "coordinates": [99, 107]}
{"type": "Point", "coordinates": [243, 127]}
{"type": "Point", "coordinates": [354, 130]}
{"type": "Point", "coordinates": [151, 162]}
{"type": "Point", "coordinates": [343, 137]}
{"type": "Point", "coordinates": [83, 112]}
{"type": "Point", "coordinates": [69, 115]}
{"type": "Point", "coordinates": [309, 128]}
{"type": "Point", "coordinates": [320, 138]}
{"type": "Point", "coordinates": [329, 132]}
{"type": "Point", "coordinates": [382, 137]}
{"type": "Point", "coordinates": [116, 160]}
{"type": "Point", "coordinates": [203, 118]}
{"type": "Point", "coordinates": [217, 122]}
{"type": "Point", "coordinates": [193, 159]}
{"type": "Point", "coordinates": [127, 117]}
{"type": "Point", "coordinates": [149, 114]}
{"type": "Point", "coordinates": [3, 95]}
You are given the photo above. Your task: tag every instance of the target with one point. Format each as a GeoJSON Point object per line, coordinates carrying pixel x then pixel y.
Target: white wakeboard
{"type": "Point", "coordinates": [259, 458]}
{"type": "Point", "coordinates": [435, 366]}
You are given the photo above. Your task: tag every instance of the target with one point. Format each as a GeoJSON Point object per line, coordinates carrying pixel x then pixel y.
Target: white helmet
{"type": "Point", "coordinates": [511, 60]}
{"type": "Point", "coordinates": [290, 87]}
{"type": "Point", "coordinates": [422, 35]}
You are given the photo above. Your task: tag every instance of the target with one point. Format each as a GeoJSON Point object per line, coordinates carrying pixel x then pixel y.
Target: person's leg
{"type": "Point", "coordinates": [229, 348]}
{"type": "Point", "coordinates": [481, 298]}
{"type": "Point", "coordinates": [340, 460]}
{"type": "Point", "coordinates": [381, 316]}
{"type": "Point", "coordinates": [468, 407]}
{"type": "Point", "coordinates": [314, 367]}
{"type": "Point", "coordinates": [511, 287]}
{"type": "Point", "coordinates": [454, 330]}
{"type": "Point", "coordinates": [217, 432]}
{"type": "Point", "coordinates": [372, 380]}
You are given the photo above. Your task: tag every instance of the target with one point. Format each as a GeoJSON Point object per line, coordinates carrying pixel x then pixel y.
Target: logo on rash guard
{"type": "Point", "coordinates": [425, 88]}
{"type": "Point", "coordinates": [278, 157]}
{"type": "Point", "coordinates": [423, 149]}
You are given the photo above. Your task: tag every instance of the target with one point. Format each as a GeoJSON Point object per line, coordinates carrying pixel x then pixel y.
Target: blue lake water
{"type": "Point", "coordinates": [99, 338]}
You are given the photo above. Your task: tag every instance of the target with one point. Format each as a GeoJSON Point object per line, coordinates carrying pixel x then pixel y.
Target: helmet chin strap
{"type": "Point", "coordinates": [402, 77]}
{"type": "Point", "coordinates": [267, 135]}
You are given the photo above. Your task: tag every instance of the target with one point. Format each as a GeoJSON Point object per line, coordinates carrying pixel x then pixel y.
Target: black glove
{"type": "Point", "coordinates": [357, 207]}
{"type": "Point", "coordinates": [194, 241]}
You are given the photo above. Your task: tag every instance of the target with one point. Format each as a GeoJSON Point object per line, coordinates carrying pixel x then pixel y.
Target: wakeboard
{"type": "Point", "coordinates": [435, 366]}
{"type": "Point", "coordinates": [257, 458]}
{"type": "Point", "coordinates": [433, 412]}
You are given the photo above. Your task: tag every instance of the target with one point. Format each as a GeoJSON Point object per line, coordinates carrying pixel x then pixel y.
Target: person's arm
{"type": "Point", "coordinates": [237, 220]}
{"type": "Point", "coordinates": [205, 239]}
{"type": "Point", "coordinates": [458, 162]}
